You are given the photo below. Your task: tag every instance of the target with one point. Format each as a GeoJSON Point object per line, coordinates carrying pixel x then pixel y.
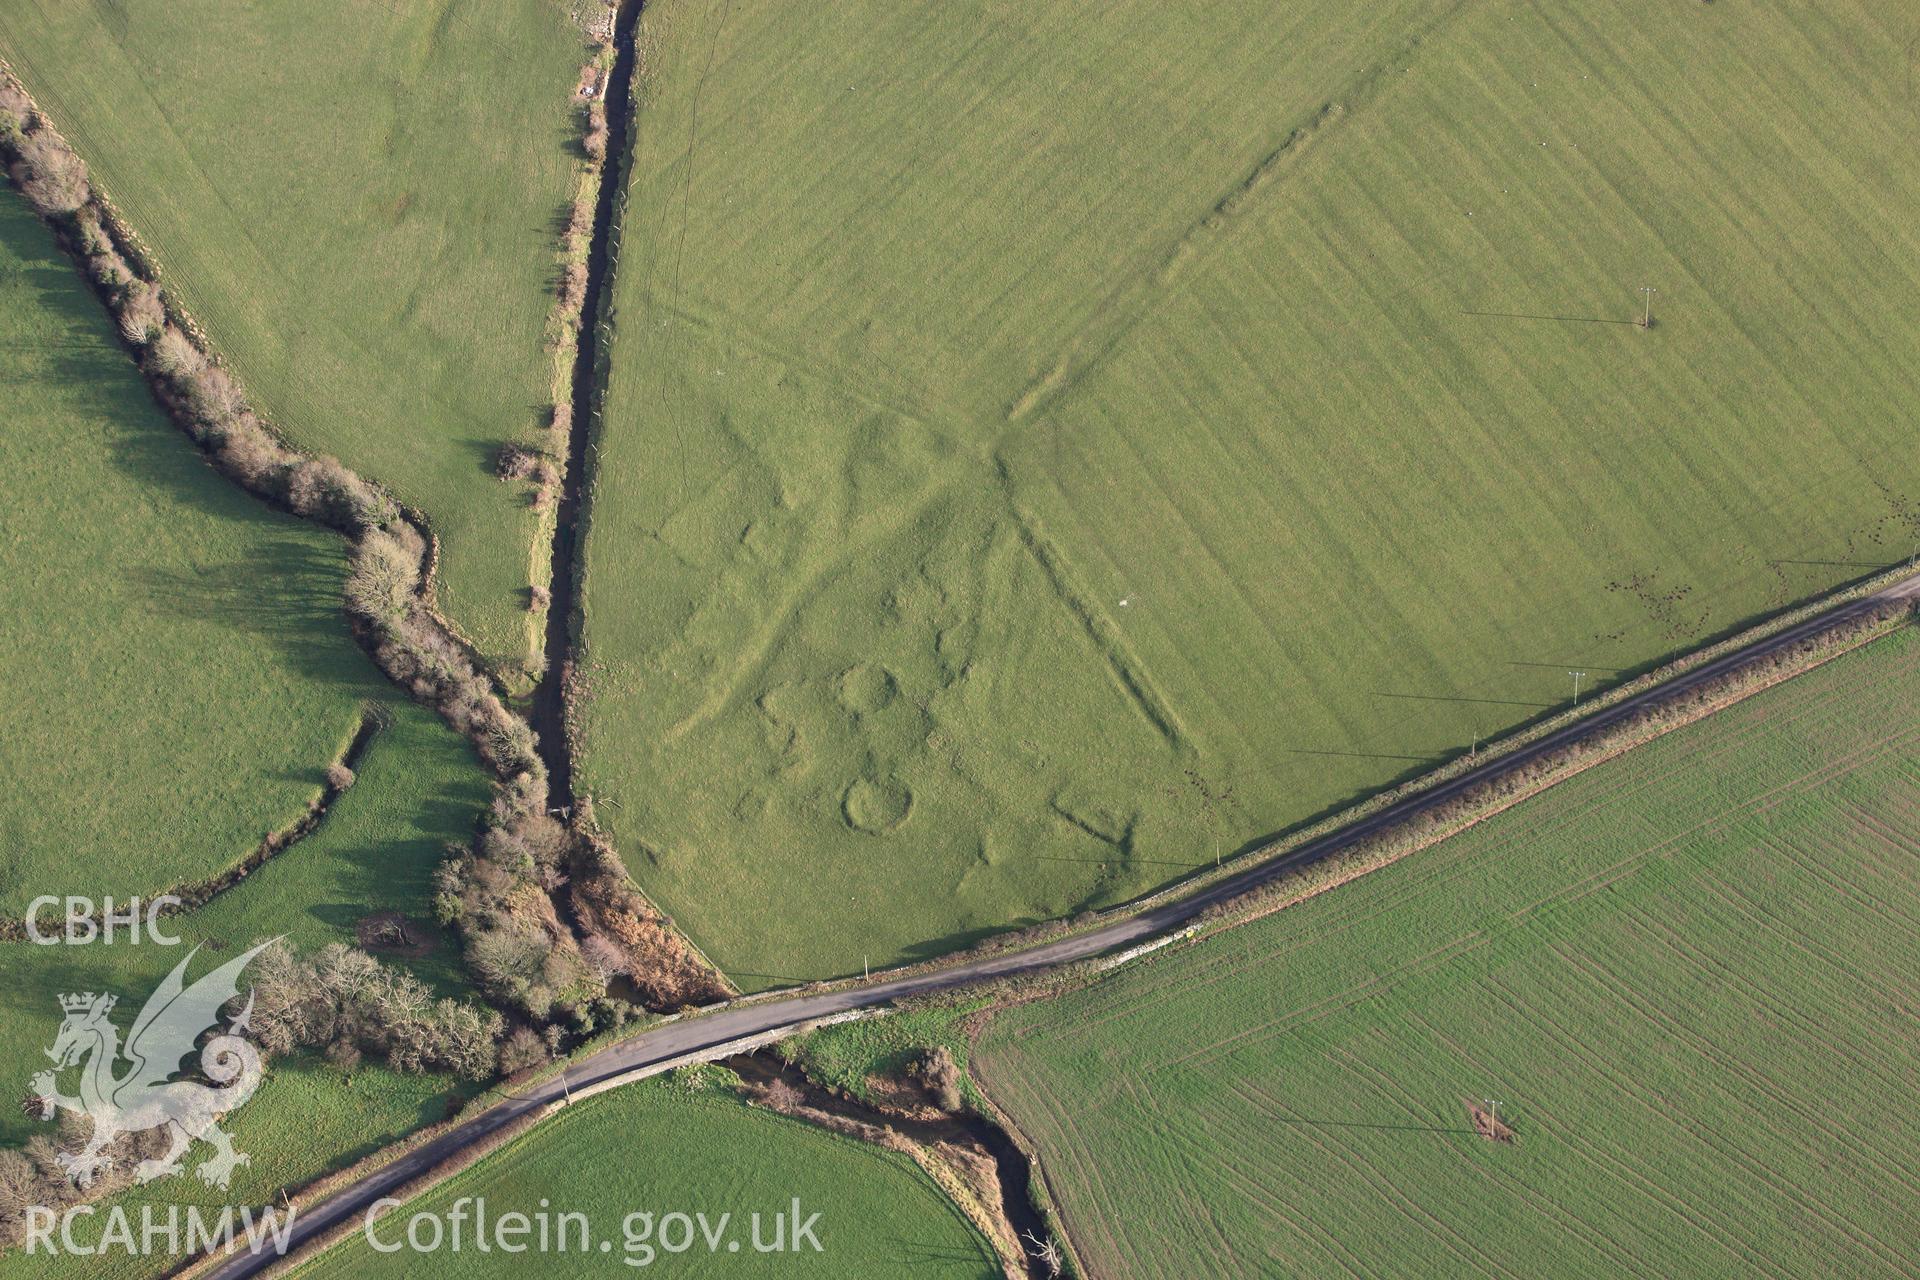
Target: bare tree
{"type": "Point", "coordinates": [141, 313]}
{"type": "Point", "coordinates": [521, 1050]}
{"type": "Point", "coordinates": [781, 1096]}
{"type": "Point", "coordinates": [1047, 1252]}
{"type": "Point", "coordinates": [51, 177]}
{"type": "Point", "coordinates": [942, 1075]}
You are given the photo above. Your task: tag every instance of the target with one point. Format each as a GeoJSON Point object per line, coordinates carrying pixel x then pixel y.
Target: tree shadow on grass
{"type": "Point", "coordinates": [915, 1253]}
{"type": "Point", "coordinates": [142, 442]}
{"type": "Point", "coordinates": [390, 875]}
{"type": "Point", "coordinates": [287, 597]}
{"type": "Point", "coordinates": [963, 939]}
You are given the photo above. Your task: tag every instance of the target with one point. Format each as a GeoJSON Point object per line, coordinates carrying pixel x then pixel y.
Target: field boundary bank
{"type": "Point", "coordinates": [551, 710]}
{"type": "Point", "coordinates": [1604, 742]}
{"type": "Point", "coordinates": [197, 894]}
{"type": "Point", "coordinates": [548, 704]}
{"type": "Point", "coordinates": [567, 328]}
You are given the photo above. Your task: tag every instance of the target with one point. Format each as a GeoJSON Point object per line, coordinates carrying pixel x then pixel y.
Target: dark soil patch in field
{"type": "Point", "coordinates": [1489, 1126]}
{"type": "Point", "coordinates": [393, 934]}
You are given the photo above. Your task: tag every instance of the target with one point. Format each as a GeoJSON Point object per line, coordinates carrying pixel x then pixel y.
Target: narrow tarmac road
{"type": "Point", "coordinates": [712, 1031]}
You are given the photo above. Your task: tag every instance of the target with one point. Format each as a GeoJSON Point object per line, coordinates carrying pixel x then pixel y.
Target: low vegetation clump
{"type": "Point", "coordinates": [346, 1003]}
{"type": "Point", "coordinates": [423, 657]}
{"type": "Point", "coordinates": [1636, 991]}
{"type": "Point", "coordinates": [941, 1075]}
{"type": "Point", "coordinates": [52, 178]}
{"type": "Point", "coordinates": [502, 892]}
{"type": "Point", "coordinates": [848, 1055]}
{"type": "Point", "coordinates": [499, 894]}
{"type": "Point", "coordinates": [629, 936]}
{"type": "Point", "coordinates": [593, 139]}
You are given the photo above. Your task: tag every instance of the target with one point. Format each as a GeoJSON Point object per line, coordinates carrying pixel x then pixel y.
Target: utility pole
{"type": "Point", "coordinates": [1646, 317]}
{"type": "Point", "coordinates": [1576, 685]}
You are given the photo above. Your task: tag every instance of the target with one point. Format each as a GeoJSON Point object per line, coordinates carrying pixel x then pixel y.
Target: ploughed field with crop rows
{"type": "Point", "coordinates": [1687, 975]}
{"type": "Point", "coordinates": [1044, 452]}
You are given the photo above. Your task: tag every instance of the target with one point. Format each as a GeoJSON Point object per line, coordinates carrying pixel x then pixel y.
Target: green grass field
{"type": "Point", "coordinates": [654, 1149]}
{"type": "Point", "coordinates": [418, 788]}
{"type": "Point", "coordinates": [1686, 974]}
{"type": "Point", "coordinates": [180, 674]}
{"type": "Point", "coordinates": [376, 851]}
{"type": "Point", "coordinates": [1043, 450]}
{"type": "Point", "coordinates": [361, 202]}
{"type": "Point", "coordinates": [179, 671]}
{"type": "Point", "coordinates": [303, 1122]}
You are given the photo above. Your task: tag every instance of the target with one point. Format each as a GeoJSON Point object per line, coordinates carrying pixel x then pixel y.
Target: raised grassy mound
{"type": "Point", "coordinates": [1128, 433]}
{"type": "Point", "coordinates": [1685, 976]}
